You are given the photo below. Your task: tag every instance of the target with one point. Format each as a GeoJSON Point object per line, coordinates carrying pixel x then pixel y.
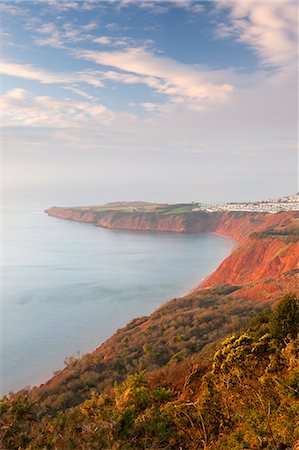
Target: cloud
{"type": "Point", "coordinates": [160, 7]}
{"type": "Point", "coordinates": [30, 72]}
{"type": "Point", "coordinates": [164, 75]}
{"type": "Point", "coordinates": [270, 28]}
{"type": "Point", "coordinates": [123, 41]}
{"type": "Point", "coordinates": [62, 6]}
{"type": "Point", "coordinates": [261, 119]}
{"type": "Point", "coordinates": [79, 92]}
{"type": "Point", "coordinates": [90, 26]}
{"type": "Point", "coordinates": [58, 37]}
{"type": "Point", "coordinates": [103, 40]}
{"type": "Point", "coordinates": [52, 41]}
{"type": "Point", "coordinates": [67, 34]}
{"type": "Point", "coordinates": [22, 109]}
{"type": "Point", "coordinates": [151, 6]}
{"type": "Point", "coordinates": [46, 28]}
{"type": "Point", "coordinates": [11, 9]}
{"type": "Point", "coordinates": [190, 5]}
{"type": "Point", "coordinates": [5, 38]}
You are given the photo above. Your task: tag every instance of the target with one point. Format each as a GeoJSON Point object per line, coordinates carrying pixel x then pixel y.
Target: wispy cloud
{"type": "Point", "coordinates": [66, 33]}
{"type": "Point", "coordinates": [164, 75]}
{"type": "Point", "coordinates": [22, 109]}
{"type": "Point", "coordinates": [122, 41]}
{"type": "Point", "coordinates": [30, 72]}
{"type": "Point", "coordinates": [51, 41]}
{"type": "Point", "coordinates": [261, 115]}
{"type": "Point", "coordinates": [190, 5]}
{"type": "Point", "coordinates": [63, 5]}
{"type": "Point", "coordinates": [151, 6]}
{"type": "Point", "coordinates": [161, 7]}
{"type": "Point", "coordinates": [11, 9]}
{"type": "Point", "coordinates": [103, 40]}
{"type": "Point", "coordinates": [270, 28]}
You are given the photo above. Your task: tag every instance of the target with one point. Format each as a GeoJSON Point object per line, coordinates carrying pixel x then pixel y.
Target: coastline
{"type": "Point", "coordinates": [179, 283]}
{"type": "Point", "coordinates": [235, 245]}
{"type": "Point", "coordinates": [250, 258]}
{"type": "Point", "coordinates": [240, 270]}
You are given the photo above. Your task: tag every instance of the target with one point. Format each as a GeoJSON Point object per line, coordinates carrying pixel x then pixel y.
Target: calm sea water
{"type": "Point", "coordinates": [68, 286]}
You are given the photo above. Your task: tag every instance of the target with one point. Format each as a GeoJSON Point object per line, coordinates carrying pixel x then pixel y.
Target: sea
{"type": "Point", "coordinates": [67, 286]}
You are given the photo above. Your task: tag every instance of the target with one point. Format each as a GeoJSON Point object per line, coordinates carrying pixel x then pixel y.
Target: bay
{"type": "Point", "coordinates": [68, 286]}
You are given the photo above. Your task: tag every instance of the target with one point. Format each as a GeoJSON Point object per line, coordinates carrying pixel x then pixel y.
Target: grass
{"type": "Point", "coordinates": [128, 207]}
{"type": "Point", "coordinates": [131, 207]}
{"type": "Point", "coordinates": [181, 209]}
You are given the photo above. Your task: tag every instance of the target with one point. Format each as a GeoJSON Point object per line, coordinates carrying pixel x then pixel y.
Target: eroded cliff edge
{"type": "Point", "coordinates": [184, 332]}
{"type": "Point", "coordinates": [265, 260]}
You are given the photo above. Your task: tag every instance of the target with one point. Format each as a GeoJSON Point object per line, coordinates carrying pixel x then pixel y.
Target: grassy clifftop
{"type": "Point", "coordinates": [144, 207]}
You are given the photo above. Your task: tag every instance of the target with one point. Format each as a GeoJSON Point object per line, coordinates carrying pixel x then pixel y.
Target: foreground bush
{"type": "Point", "coordinates": [247, 398]}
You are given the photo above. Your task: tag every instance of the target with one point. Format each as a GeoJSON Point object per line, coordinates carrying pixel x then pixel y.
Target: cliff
{"type": "Point", "coordinates": [121, 220]}
{"type": "Point", "coordinates": [197, 399]}
{"type": "Point", "coordinates": [267, 259]}
{"type": "Point", "coordinates": [232, 224]}
{"type": "Point", "coordinates": [185, 331]}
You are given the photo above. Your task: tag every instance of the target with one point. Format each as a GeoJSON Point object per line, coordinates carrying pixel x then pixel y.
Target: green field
{"type": "Point", "coordinates": [181, 209]}
{"type": "Point", "coordinates": [128, 207]}
{"type": "Point", "coordinates": [131, 207]}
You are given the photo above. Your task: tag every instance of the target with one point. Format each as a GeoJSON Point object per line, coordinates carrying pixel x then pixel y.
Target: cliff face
{"type": "Point", "coordinates": [232, 224]}
{"type": "Point", "coordinates": [269, 261]}
{"type": "Point", "coordinates": [263, 267]}
{"type": "Point", "coordinates": [122, 221]}
{"type": "Point", "coordinates": [256, 259]}
{"type": "Point", "coordinates": [263, 264]}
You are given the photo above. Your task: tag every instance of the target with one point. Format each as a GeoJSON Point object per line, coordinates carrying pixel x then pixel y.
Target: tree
{"type": "Point", "coordinates": [285, 319]}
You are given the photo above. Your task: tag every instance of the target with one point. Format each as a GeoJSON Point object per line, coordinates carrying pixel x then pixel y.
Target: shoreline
{"type": "Point", "coordinates": [161, 298]}
{"type": "Point", "coordinates": [234, 247]}
{"type": "Point", "coordinates": [235, 227]}
{"type": "Point", "coordinates": [193, 289]}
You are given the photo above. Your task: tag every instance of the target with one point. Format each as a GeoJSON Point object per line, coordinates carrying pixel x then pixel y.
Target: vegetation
{"type": "Point", "coordinates": [144, 207]}
{"type": "Point", "coordinates": [245, 396]}
{"type": "Point", "coordinates": [181, 209]}
{"type": "Point", "coordinates": [181, 328]}
{"type": "Point", "coordinates": [128, 207]}
{"type": "Point", "coordinates": [289, 233]}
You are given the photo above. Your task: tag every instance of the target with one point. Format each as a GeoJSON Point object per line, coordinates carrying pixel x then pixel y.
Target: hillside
{"type": "Point", "coordinates": [176, 342]}
{"type": "Point", "coordinates": [261, 268]}
{"type": "Point", "coordinates": [264, 262]}
{"type": "Point", "coordinates": [245, 395]}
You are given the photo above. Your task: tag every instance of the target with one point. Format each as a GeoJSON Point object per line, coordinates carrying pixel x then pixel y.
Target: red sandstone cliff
{"type": "Point", "coordinates": [121, 221]}
{"type": "Point", "coordinates": [262, 265]}
{"type": "Point", "coordinates": [232, 224]}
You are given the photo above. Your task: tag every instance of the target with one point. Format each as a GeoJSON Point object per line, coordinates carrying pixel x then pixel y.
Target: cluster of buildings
{"type": "Point", "coordinates": [290, 203]}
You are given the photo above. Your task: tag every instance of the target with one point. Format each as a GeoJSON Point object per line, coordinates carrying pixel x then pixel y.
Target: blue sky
{"type": "Point", "coordinates": [167, 101]}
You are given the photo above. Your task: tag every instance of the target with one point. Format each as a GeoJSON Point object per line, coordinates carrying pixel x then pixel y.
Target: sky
{"type": "Point", "coordinates": [172, 101]}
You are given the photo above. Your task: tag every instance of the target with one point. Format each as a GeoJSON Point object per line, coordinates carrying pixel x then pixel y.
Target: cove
{"type": "Point", "coordinates": [68, 286]}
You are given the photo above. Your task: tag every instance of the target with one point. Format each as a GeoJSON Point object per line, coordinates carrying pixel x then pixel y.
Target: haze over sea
{"type": "Point", "coordinates": [68, 286]}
